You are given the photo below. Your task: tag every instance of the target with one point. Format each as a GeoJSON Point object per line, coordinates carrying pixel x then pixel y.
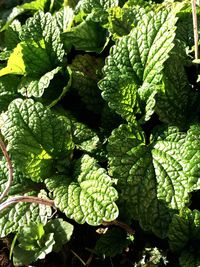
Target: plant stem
{"type": "Point", "coordinates": [10, 170]}
{"type": "Point", "coordinates": [124, 226]}
{"type": "Point", "coordinates": [28, 199]}
{"type": "Point", "coordinates": [195, 28]}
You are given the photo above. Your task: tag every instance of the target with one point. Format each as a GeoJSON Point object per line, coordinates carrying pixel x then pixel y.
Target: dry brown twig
{"type": "Point", "coordinates": [17, 199]}
{"type": "Point", "coordinates": [195, 28]}
{"type": "Point", "coordinates": [10, 170]}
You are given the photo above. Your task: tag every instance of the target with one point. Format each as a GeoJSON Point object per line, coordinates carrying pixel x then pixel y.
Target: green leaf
{"type": "Point", "coordinates": [62, 232]}
{"type": "Point", "coordinates": [184, 229]}
{"type": "Point", "coordinates": [97, 9]}
{"type": "Point", "coordinates": [40, 50]}
{"type": "Point", "coordinates": [12, 34]}
{"type": "Point", "coordinates": [87, 36]}
{"type": "Point", "coordinates": [64, 18]}
{"type": "Point", "coordinates": [34, 244]}
{"type": "Point", "coordinates": [20, 184]}
{"type": "Point", "coordinates": [153, 179]}
{"type": "Point", "coordinates": [117, 237]}
{"type": "Point", "coordinates": [89, 197]}
{"type": "Point", "coordinates": [28, 236]}
{"type": "Point", "coordinates": [18, 10]}
{"type": "Point", "coordinates": [122, 20]}
{"type": "Point", "coordinates": [32, 86]}
{"type": "Point", "coordinates": [21, 214]}
{"type": "Point", "coordinates": [84, 138]}
{"type": "Point", "coordinates": [173, 102]}
{"type": "Point", "coordinates": [136, 61]}
{"type": "Point", "coordinates": [42, 29]}
{"type": "Point", "coordinates": [36, 138]}
{"type": "Point", "coordinates": [86, 72]}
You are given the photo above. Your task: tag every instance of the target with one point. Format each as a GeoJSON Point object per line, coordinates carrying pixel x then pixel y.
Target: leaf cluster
{"type": "Point", "coordinates": [99, 111]}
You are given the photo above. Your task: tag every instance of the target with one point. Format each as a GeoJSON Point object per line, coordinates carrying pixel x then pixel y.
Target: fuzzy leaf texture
{"type": "Point", "coordinates": [154, 179]}
{"type": "Point", "coordinates": [89, 197]}
{"type": "Point", "coordinates": [134, 67]}
{"type": "Point", "coordinates": [36, 137]}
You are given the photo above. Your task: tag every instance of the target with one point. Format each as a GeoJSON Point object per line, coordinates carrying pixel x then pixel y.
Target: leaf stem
{"type": "Point", "coordinates": [28, 199]}
{"type": "Point", "coordinates": [195, 28]}
{"type": "Point", "coordinates": [124, 226]}
{"type": "Point", "coordinates": [10, 170]}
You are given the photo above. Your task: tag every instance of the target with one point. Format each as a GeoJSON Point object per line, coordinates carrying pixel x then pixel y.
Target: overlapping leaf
{"type": "Point", "coordinates": [36, 137]}
{"type": "Point", "coordinates": [89, 197]}
{"type": "Point", "coordinates": [153, 178]}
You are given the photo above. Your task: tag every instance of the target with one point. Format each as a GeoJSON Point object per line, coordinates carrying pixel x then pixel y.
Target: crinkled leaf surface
{"type": "Point", "coordinates": [154, 179]}
{"type": "Point", "coordinates": [122, 20]}
{"type": "Point", "coordinates": [62, 232]}
{"type": "Point", "coordinates": [43, 26]}
{"type": "Point", "coordinates": [136, 61]}
{"type": "Point", "coordinates": [97, 9]}
{"type": "Point", "coordinates": [36, 137]}
{"type": "Point", "coordinates": [21, 214]}
{"type": "Point", "coordinates": [11, 38]}
{"type": "Point", "coordinates": [89, 198]}
{"type": "Point", "coordinates": [84, 138]}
